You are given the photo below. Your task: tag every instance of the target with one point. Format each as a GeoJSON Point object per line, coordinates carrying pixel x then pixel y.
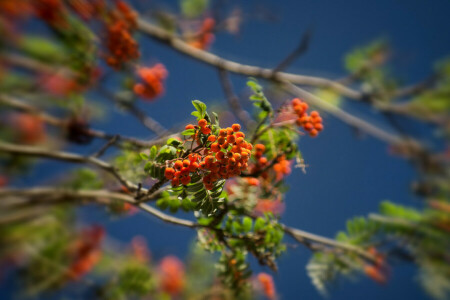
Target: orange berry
{"type": "Point", "coordinates": [175, 182]}
{"type": "Point", "coordinates": [221, 140]}
{"type": "Point", "coordinates": [318, 126]}
{"type": "Point", "coordinates": [223, 132]}
{"type": "Point", "coordinates": [308, 126]}
{"type": "Point", "coordinates": [184, 171]}
{"type": "Point", "coordinates": [236, 127]}
{"type": "Point", "coordinates": [240, 134]}
{"type": "Point", "coordinates": [186, 163]}
{"type": "Point", "coordinates": [178, 164]}
{"type": "Point", "coordinates": [224, 145]}
{"type": "Point", "coordinates": [296, 101]}
{"type": "Point", "coordinates": [260, 147]}
{"type": "Point", "coordinates": [313, 133]}
{"type": "Point", "coordinates": [262, 161]}
{"type": "Point", "coordinates": [316, 120]}
{"type": "Point", "coordinates": [231, 139]}
{"type": "Point", "coordinates": [299, 110]}
{"type": "Point", "coordinates": [239, 140]}
{"type": "Point", "coordinates": [206, 130]}
{"type": "Point", "coordinates": [209, 160]}
{"type": "Point", "coordinates": [215, 147]}
{"type": "Point", "coordinates": [202, 123]}
{"type": "Point", "coordinates": [229, 131]}
{"type": "Point", "coordinates": [235, 149]}
{"type": "Point", "coordinates": [169, 173]}
{"type": "Point", "coordinates": [236, 156]}
{"type": "Point", "coordinates": [212, 138]}
{"type": "Point", "coordinates": [220, 155]}
{"type": "Point", "coordinates": [185, 180]}
{"type": "Point", "coordinates": [193, 157]}
{"type": "Point", "coordinates": [193, 167]}
{"type": "Point", "coordinates": [305, 106]}
{"type": "Point", "coordinates": [314, 114]}
{"type": "Point", "coordinates": [189, 126]}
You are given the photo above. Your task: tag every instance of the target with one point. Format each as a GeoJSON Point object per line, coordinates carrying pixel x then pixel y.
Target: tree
{"type": "Point", "coordinates": [230, 180]}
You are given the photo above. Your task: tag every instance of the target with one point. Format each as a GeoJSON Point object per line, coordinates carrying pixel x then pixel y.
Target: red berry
{"type": "Point", "coordinates": [236, 127]}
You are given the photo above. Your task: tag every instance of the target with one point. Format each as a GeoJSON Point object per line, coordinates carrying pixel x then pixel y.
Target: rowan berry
{"type": "Point", "coordinates": [260, 147]}
{"type": "Point", "coordinates": [215, 147]}
{"type": "Point", "coordinates": [239, 140]}
{"type": "Point", "coordinates": [169, 173]}
{"type": "Point", "coordinates": [231, 139]}
{"type": "Point", "coordinates": [185, 180]}
{"type": "Point", "coordinates": [240, 134]}
{"type": "Point", "coordinates": [189, 126]}
{"type": "Point", "coordinates": [313, 133]}
{"type": "Point", "coordinates": [194, 166]}
{"type": "Point", "coordinates": [296, 101]}
{"type": "Point", "coordinates": [314, 114]}
{"type": "Point", "coordinates": [220, 155]}
{"type": "Point", "coordinates": [206, 130]}
{"type": "Point", "coordinates": [212, 138]}
{"type": "Point", "coordinates": [221, 140]}
{"type": "Point", "coordinates": [308, 126]}
{"type": "Point", "coordinates": [178, 164]}
{"type": "Point", "coordinates": [229, 131]}
{"type": "Point", "coordinates": [175, 182]}
{"type": "Point", "coordinates": [318, 126]}
{"type": "Point", "coordinates": [236, 127]}
{"type": "Point", "coordinates": [202, 123]}
{"type": "Point", "coordinates": [262, 161]}
{"type": "Point", "coordinates": [186, 163]}
{"type": "Point", "coordinates": [223, 132]}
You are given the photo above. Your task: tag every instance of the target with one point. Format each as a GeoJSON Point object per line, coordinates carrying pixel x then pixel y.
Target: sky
{"type": "Point", "coordinates": [347, 175]}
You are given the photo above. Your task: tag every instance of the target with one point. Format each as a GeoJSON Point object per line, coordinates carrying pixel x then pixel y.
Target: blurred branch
{"type": "Point", "coordinates": [104, 197]}
{"type": "Point", "coordinates": [204, 56]}
{"type": "Point", "coordinates": [233, 100]}
{"type": "Point", "coordinates": [64, 156]}
{"type": "Point", "coordinates": [301, 49]}
{"type": "Point", "coordinates": [351, 120]}
{"type": "Point", "coordinates": [54, 121]}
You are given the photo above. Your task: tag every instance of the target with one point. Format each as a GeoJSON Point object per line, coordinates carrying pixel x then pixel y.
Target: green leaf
{"type": "Point", "coordinates": [153, 152]}
{"type": "Point", "coordinates": [188, 132]}
{"type": "Point", "coordinates": [193, 8]}
{"type": "Point", "coordinates": [144, 156]}
{"type": "Point", "coordinates": [260, 223]}
{"type": "Point", "coordinates": [247, 224]}
{"type": "Point", "coordinates": [200, 107]}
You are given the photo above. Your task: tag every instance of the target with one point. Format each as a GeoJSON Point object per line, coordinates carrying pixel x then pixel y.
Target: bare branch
{"type": "Point", "coordinates": [204, 56]}
{"type": "Point", "coordinates": [301, 49]}
{"type": "Point", "coordinates": [64, 156]}
{"type": "Point", "coordinates": [233, 100]}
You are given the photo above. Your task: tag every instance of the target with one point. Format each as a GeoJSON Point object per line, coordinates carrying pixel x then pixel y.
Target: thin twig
{"type": "Point", "coordinates": [233, 100]}
{"type": "Point", "coordinates": [64, 156]}
{"type": "Point", "coordinates": [301, 49]}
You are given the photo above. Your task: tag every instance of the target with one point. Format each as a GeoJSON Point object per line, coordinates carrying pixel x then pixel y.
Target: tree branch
{"type": "Point", "coordinates": [181, 46]}
{"type": "Point", "coordinates": [64, 156]}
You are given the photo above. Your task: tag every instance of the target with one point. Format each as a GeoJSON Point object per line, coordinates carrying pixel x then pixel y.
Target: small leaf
{"type": "Point", "coordinates": [188, 132]}
{"type": "Point", "coordinates": [153, 152]}
{"type": "Point", "coordinates": [247, 224]}
{"type": "Point", "coordinates": [144, 156]}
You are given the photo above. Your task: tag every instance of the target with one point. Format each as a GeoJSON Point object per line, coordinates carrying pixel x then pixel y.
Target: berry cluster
{"type": "Point", "coordinates": [50, 11]}
{"type": "Point", "coordinates": [121, 45]}
{"type": "Point", "coordinates": [282, 167]}
{"type": "Point", "coordinates": [205, 36]}
{"type": "Point", "coordinates": [311, 123]}
{"type": "Point", "coordinates": [224, 155]}
{"type": "Point", "coordinates": [87, 9]}
{"type": "Point", "coordinates": [152, 78]}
